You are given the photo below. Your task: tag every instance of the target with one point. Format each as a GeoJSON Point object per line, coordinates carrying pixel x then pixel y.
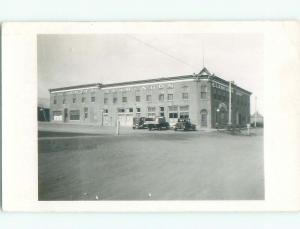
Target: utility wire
{"type": "Point", "coordinates": [161, 51]}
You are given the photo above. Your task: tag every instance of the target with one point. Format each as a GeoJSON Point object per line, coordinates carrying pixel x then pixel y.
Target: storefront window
{"type": "Point", "coordinates": [74, 115]}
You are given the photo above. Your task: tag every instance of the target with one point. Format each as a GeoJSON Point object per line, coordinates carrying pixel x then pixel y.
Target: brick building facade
{"type": "Point", "coordinates": [202, 97]}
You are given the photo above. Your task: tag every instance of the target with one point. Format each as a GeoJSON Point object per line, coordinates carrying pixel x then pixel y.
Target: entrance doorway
{"type": "Point", "coordinates": [203, 115]}
{"type": "Point", "coordinates": [65, 114]}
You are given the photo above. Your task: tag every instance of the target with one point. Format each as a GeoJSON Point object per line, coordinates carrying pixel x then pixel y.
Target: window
{"type": "Point", "coordinates": [173, 115]}
{"type": "Point", "coordinates": [185, 95]}
{"type": "Point", "coordinates": [115, 100]}
{"type": "Point", "coordinates": [170, 97]}
{"type": "Point", "coordinates": [173, 112]}
{"type": "Point", "coordinates": [55, 100]}
{"type": "Point", "coordinates": [74, 115]}
{"type": "Point", "coordinates": [57, 115]}
{"type": "Point", "coordinates": [130, 110]}
{"type": "Point", "coordinates": [121, 110]}
{"type": "Point", "coordinates": [148, 98]}
{"type": "Point", "coordinates": [105, 111]}
{"type": "Point", "coordinates": [203, 91]}
{"type": "Point", "coordinates": [64, 98]}
{"type": "Point", "coordinates": [83, 99]}
{"type": "Point", "coordinates": [74, 98]}
{"type": "Point", "coordinates": [185, 88]}
{"type": "Point", "coordinates": [151, 112]}
{"type": "Point", "coordinates": [184, 112]}
{"type": "Point", "coordinates": [161, 97]}
{"type": "Point", "coordinates": [151, 109]}
{"type": "Point", "coordinates": [138, 110]}
{"type": "Point", "coordinates": [138, 98]}
{"type": "Point", "coordinates": [105, 100]}
{"type": "Point", "coordinates": [86, 112]}
{"type": "Point", "coordinates": [93, 98]}
{"type": "Point", "coordinates": [184, 115]}
{"type": "Point", "coordinates": [124, 99]}
{"type": "Point", "coordinates": [162, 113]}
{"type": "Point", "coordinates": [203, 114]}
{"type": "Point", "coordinates": [173, 108]}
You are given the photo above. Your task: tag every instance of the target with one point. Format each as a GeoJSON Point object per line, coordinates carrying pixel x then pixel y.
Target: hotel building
{"type": "Point", "coordinates": [202, 97]}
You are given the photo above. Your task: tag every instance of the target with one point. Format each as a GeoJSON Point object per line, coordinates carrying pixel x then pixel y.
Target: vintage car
{"type": "Point", "coordinates": [184, 124]}
{"type": "Point", "coordinates": [158, 123]}
{"type": "Point", "coordinates": [140, 122]}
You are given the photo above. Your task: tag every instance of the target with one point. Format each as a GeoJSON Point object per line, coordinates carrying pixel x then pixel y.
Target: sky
{"type": "Point", "coordinates": [67, 60]}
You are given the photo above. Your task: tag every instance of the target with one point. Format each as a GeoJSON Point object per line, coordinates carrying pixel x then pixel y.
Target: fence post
{"type": "Point", "coordinates": [118, 128]}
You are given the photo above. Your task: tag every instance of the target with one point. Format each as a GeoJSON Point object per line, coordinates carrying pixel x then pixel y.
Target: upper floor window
{"type": "Point", "coordinates": [148, 98]}
{"type": "Point", "coordinates": [124, 99]}
{"type": "Point", "coordinates": [115, 100]}
{"type": "Point", "coordinates": [185, 88]}
{"type": "Point", "coordinates": [203, 91]}
{"type": "Point", "coordinates": [138, 110]}
{"type": "Point", "coordinates": [121, 110]}
{"type": "Point", "coordinates": [55, 100]}
{"type": "Point", "coordinates": [105, 100]}
{"type": "Point", "coordinates": [83, 99]}
{"type": "Point", "coordinates": [138, 98]}
{"type": "Point", "coordinates": [170, 97]}
{"type": "Point", "coordinates": [185, 95]}
{"type": "Point", "coordinates": [161, 97]}
{"type": "Point", "coordinates": [74, 98]}
{"type": "Point", "coordinates": [93, 97]}
{"type": "Point", "coordinates": [151, 109]}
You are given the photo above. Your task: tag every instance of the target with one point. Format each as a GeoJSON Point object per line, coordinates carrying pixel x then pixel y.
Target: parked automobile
{"type": "Point", "coordinates": [139, 123]}
{"type": "Point", "coordinates": [158, 123]}
{"type": "Point", "coordinates": [184, 124]}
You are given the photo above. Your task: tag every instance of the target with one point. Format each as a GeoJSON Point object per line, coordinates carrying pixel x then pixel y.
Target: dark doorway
{"type": "Point", "coordinates": [65, 114]}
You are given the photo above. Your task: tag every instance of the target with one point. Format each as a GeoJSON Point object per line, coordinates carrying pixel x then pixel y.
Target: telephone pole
{"type": "Point", "coordinates": [229, 109]}
{"type": "Point", "coordinates": [255, 111]}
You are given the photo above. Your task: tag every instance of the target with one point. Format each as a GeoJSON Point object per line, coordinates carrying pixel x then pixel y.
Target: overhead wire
{"type": "Point", "coordinates": [161, 51]}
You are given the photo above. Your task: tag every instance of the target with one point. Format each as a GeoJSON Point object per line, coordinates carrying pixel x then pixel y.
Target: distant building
{"type": "Point", "coordinates": [258, 118]}
{"type": "Point", "coordinates": [43, 110]}
{"type": "Point", "coordinates": [202, 97]}
{"type": "Point", "coordinates": [43, 114]}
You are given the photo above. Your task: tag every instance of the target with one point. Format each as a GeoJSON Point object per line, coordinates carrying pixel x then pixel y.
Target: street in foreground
{"type": "Point", "coordinates": [151, 165]}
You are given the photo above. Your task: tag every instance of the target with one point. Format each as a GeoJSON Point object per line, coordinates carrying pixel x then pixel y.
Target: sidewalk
{"type": "Point", "coordinates": [76, 128]}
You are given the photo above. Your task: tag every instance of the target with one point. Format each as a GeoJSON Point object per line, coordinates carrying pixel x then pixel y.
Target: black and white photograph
{"type": "Point", "coordinates": [150, 116]}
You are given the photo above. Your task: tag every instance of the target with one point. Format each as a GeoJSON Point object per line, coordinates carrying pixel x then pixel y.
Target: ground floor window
{"type": "Point", "coordinates": [173, 115]}
{"type": "Point", "coordinates": [57, 115]}
{"type": "Point", "coordinates": [86, 113]}
{"type": "Point", "coordinates": [151, 115]}
{"type": "Point", "coordinates": [162, 113]}
{"type": "Point", "coordinates": [184, 115]}
{"type": "Point", "coordinates": [203, 114]}
{"type": "Point", "coordinates": [75, 115]}
{"type": "Point", "coordinates": [173, 112]}
{"type": "Point", "coordinates": [121, 110]}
